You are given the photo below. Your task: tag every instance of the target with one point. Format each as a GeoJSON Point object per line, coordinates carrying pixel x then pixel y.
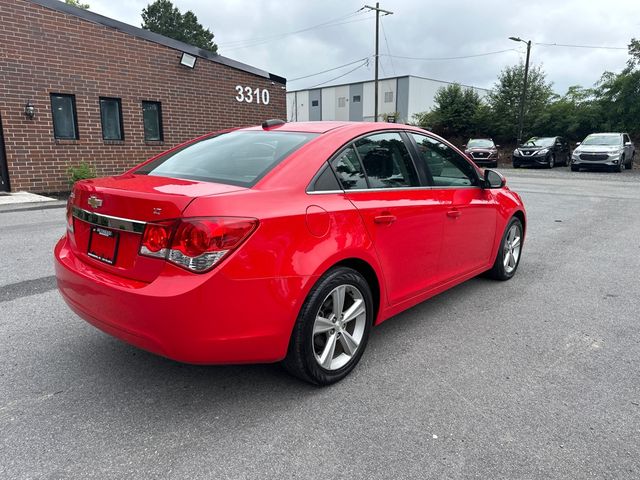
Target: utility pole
{"type": "Point", "coordinates": [386, 12]}
{"type": "Point", "coordinates": [524, 87]}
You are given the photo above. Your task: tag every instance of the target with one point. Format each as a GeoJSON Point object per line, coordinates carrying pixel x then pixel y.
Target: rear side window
{"type": "Point", "coordinates": [386, 161]}
{"type": "Point", "coordinates": [348, 170]}
{"type": "Point", "coordinates": [237, 158]}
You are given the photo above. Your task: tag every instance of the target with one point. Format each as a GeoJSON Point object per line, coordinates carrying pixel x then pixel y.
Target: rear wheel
{"type": "Point", "coordinates": [332, 329]}
{"type": "Point", "coordinates": [508, 257]}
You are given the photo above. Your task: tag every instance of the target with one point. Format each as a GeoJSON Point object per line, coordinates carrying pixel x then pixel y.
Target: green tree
{"type": "Point", "coordinates": [504, 101]}
{"type": "Point", "coordinates": [455, 112]}
{"type": "Point", "coordinates": [164, 18]}
{"type": "Point", "coordinates": [76, 3]}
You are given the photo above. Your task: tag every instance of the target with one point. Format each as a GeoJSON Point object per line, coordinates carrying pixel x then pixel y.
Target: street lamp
{"type": "Point", "coordinates": [524, 86]}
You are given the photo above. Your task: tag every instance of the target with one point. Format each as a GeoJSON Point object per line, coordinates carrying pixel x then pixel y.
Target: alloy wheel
{"type": "Point", "coordinates": [339, 327]}
{"type": "Point", "coordinates": [511, 249]}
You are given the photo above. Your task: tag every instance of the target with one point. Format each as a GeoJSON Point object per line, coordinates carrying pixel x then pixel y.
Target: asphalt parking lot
{"type": "Point", "coordinates": [533, 378]}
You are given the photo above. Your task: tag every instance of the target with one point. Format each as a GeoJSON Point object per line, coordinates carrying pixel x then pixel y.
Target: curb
{"type": "Point", "coordinates": [25, 207]}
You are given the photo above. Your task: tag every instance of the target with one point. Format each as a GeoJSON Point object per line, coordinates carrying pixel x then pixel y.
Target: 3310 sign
{"type": "Point", "coordinates": [251, 95]}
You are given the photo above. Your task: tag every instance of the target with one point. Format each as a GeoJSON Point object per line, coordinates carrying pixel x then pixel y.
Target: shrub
{"type": "Point", "coordinates": [80, 172]}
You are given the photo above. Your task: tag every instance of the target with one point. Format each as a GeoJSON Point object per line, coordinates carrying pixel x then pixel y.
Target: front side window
{"type": "Point", "coordinates": [348, 170]}
{"type": "Point", "coordinates": [236, 158]}
{"type": "Point", "coordinates": [152, 117]}
{"type": "Point", "coordinates": [447, 168]}
{"type": "Point", "coordinates": [111, 117]}
{"type": "Point", "coordinates": [63, 110]}
{"type": "Point", "coordinates": [386, 161]}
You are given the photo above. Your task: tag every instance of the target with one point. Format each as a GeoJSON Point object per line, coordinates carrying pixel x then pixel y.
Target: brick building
{"type": "Point", "coordinates": [77, 87]}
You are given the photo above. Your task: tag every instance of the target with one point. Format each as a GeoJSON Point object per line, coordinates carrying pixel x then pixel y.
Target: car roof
{"type": "Point", "coordinates": [326, 126]}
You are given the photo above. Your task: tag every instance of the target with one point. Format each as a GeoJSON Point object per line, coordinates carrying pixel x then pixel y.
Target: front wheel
{"type": "Point", "coordinates": [332, 329]}
{"type": "Point", "coordinates": [508, 257]}
{"type": "Point", "coordinates": [621, 165]}
{"type": "Point", "coordinates": [575, 168]}
{"type": "Point", "coordinates": [552, 161]}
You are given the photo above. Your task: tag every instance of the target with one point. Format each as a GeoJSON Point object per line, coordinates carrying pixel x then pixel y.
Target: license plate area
{"type": "Point", "coordinates": [103, 244]}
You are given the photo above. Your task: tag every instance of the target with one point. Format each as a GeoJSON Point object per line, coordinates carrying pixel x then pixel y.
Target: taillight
{"type": "Point", "coordinates": [196, 244]}
{"type": "Point", "coordinates": [70, 212]}
{"type": "Point", "coordinates": [155, 240]}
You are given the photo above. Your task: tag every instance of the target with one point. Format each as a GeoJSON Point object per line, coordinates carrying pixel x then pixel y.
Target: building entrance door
{"type": "Point", "coordinates": [4, 171]}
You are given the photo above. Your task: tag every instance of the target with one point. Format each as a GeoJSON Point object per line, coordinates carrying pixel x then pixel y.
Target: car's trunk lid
{"type": "Point", "coordinates": [110, 214]}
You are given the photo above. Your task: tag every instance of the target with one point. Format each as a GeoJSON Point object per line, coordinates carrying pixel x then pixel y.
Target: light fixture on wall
{"type": "Point", "coordinates": [29, 110]}
{"type": "Point", "coordinates": [187, 60]}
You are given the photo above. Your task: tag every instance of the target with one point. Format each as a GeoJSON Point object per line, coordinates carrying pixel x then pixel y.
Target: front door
{"type": "Point", "coordinates": [4, 171]}
{"type": "Point", "coordinates": [470, 212]}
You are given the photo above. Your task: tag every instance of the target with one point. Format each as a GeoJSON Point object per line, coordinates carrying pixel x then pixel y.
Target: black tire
{"type": "Point", "coordinates": [552, 161]}
{"type": "Point", "coordinates": [300, 360]}
{"type": "Point", "coordinates": [620, 168]}
{"type": "Point", "coordinates": [575, 168]}
{"type": "Point", "coordinates": [516, 165]}
{"type": "Point", "coordinates": [498, 271]}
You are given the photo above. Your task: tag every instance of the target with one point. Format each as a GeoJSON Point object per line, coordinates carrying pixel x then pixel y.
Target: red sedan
{"type": "Point", "coordinates": [285, 242]}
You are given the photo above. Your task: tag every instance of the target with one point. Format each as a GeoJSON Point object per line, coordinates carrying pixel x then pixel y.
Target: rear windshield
{"type": "Point", "coordinates": [236, 158]}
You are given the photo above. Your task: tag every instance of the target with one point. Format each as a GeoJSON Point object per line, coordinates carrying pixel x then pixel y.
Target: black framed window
{"type": "Point", "coordinates": [447, 168]}
{"type": "Point", "coordinates": [386, 161]}
{"type": "Point", "coordinates": [152, 117]}
{"type": "Point", "coordinates": [348, 169]}
{"type": "Point", "coordinates": [111, 117]}
{"type": "Point", "coordinates": [65, 118]}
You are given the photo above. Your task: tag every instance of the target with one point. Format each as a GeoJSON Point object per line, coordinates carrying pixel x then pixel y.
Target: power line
{"type": "Point", "coordinates": [386, 41]}
{"type": "Point", "coordinates": [580, 46]}
{"type": "Point", "coordinates": [434, 59]}
{"type": "Point", "coordinates": [366, 62]}
{"type": "Point", "coordinates": [239, 44]}
{"type": "Point", "coordinates": [328, 70]}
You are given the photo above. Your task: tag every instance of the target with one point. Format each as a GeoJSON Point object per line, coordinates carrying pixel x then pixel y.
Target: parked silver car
{"type": "Point", "coordinates": [611, 150]}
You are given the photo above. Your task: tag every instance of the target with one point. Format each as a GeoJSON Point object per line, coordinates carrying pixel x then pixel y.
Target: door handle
{"type": "Point", "coordinates": [384, 219]}
{"type": "Point", "coordinates": [453, 213]}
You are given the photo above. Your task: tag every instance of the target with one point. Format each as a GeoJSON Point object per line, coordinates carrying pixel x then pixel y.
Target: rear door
{"type": "Point", "coordinates": [400, 212]}
{"type": "Point", "coordinates": [4, 171]}
{"type": "Point", "coordinates": [469, 212]}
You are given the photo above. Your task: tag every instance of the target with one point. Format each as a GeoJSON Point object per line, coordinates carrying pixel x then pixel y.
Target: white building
{"type": "Point", "coordinates": [402, 96]}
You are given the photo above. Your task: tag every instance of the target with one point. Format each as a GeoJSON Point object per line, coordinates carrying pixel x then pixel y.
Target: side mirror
{"type": "Point", "coordinates": [628, 144]}
{"type": "Point", "coordinates": [578, 143]}
{"type": "Point", "coordinates": [497, 146]}
{"type": "Point", "coordinates": [493, 179]}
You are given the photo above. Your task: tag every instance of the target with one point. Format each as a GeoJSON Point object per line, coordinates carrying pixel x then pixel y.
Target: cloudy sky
{"type": "Point", "coordinates": [331, 33]}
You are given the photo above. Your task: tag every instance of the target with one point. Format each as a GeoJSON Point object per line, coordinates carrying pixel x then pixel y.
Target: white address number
{"type": "Point", "coordinates": [249, 95]}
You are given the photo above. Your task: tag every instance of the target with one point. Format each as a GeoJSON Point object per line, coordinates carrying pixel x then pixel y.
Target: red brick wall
{"type": "Point", "coordinates": [43, 51]}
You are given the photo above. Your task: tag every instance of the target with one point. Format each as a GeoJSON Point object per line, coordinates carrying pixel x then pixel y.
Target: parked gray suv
{"type": "Point", "coordinates": [610, 150]}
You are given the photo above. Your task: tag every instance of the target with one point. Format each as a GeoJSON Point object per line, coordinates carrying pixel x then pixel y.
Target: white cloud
{"type": "Point", "coordinates": [416, 29]}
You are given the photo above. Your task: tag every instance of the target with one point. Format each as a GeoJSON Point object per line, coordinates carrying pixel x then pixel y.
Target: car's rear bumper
{"type": "Point", "coordinates": [187, 317]}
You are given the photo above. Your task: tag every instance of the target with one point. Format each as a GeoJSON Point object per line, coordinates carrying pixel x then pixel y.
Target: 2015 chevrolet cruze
{"type": "Point", "coordinates": [285, 242]}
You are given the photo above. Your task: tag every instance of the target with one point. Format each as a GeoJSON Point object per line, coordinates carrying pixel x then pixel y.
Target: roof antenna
{"type": "Point", "coordinates": [272, 123]}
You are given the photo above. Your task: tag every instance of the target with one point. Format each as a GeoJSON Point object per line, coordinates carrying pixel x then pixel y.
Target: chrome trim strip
{"type": "Point", "coordinates": [391, 189]}
{"type": "Point", "coordinates": [116, 223]}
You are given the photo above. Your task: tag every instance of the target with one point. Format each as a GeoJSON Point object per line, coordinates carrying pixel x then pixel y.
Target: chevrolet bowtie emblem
{"type": "Point", "coordinates": [94, 201]}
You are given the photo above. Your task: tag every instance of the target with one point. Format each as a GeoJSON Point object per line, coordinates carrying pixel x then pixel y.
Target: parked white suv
{"type": "Point", "coordinates": [612, 150]}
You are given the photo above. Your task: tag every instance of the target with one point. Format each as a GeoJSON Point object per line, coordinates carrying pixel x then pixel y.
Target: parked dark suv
{"type": "Point", "coordinates": [482, 151]}
{"type": "Point", "coordinates": [542, 151]}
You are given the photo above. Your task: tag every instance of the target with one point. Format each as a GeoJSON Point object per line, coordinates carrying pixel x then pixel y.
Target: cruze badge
{"type": "Point", "coordinates": [94, 201]}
